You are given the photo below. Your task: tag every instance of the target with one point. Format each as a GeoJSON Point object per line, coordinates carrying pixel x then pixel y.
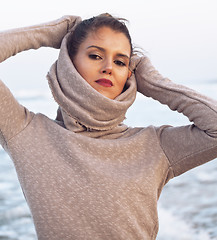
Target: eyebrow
{"type": "Point", "coordinates": [103, 50]}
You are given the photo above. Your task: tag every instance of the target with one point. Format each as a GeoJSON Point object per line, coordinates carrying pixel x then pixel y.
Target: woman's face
{"type": "Point", "coordinates": [103, 61]}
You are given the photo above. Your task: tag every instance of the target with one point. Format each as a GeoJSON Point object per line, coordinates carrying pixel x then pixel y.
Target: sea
{"type": "Point", "coordinates": [187, 206]}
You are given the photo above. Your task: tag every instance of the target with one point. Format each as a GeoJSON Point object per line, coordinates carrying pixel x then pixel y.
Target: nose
{"type": "Point", "coordinates": [107, 68]}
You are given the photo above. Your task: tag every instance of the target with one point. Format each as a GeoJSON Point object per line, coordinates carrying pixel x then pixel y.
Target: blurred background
{"type": "Point", "coordinates": [180, 39]}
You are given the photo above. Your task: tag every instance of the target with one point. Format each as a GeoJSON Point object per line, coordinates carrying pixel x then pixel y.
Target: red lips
{"type": "Point", "coordinates": [104, 82]}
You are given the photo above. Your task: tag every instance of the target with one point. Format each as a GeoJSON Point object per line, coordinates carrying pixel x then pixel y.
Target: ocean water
{"type": "Point", "coordinates": [187, 206]}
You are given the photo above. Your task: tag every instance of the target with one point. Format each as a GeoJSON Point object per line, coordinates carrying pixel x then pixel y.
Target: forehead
{"type": "Point", "coordinates": [108, 39]}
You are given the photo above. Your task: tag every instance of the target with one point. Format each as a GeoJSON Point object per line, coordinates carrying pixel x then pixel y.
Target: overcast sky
{"type": "Point", "coordinates": [180, 36]}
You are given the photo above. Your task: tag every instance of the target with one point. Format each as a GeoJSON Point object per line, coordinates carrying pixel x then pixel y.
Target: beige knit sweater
{"type": "Point", "coordinates": [86, 175]}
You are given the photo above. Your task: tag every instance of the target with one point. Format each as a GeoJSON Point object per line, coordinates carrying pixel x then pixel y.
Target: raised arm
{"type": "Point", "coordinates": [44, 35]}
{"type": "Point", "coordinates": [188, 146]}
{"type": "Point", "coordinates": [13, 116]}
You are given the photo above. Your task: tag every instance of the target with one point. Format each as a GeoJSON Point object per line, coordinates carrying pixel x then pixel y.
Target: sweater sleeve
{"type": "Point", "coordinates": [44, 35]}
{"type": "Point", "coordinates": [13, 116]}
{"type": "Point", "coordinates": [188, 146]}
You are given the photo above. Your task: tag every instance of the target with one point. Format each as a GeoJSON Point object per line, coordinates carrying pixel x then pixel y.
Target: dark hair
{"type": "Point", "coordinates": [87, 26]}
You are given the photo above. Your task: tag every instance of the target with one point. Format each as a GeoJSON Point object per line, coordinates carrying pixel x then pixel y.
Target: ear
{"type": "Point", "coordinates": [129, 74]}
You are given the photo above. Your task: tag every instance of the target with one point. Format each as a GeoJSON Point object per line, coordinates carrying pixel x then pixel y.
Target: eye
{"type": "Point", "coordinates": [120, 63]}
{"type": "Point", "coordinates": [94, 56]}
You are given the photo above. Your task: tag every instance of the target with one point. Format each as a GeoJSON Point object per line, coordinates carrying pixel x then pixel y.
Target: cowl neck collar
{"type": "Point", "coordinates": [81, 107]}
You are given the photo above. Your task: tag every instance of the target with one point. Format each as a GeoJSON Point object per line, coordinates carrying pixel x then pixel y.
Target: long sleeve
{"type": "Point", "coordinates": [44, 35]}
{"type": "Point", "coordinates": [188, 146]}
{"type": "Point", "coordinates": [13, 116]}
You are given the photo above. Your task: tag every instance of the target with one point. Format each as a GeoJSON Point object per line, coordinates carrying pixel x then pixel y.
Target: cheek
{"type": "Point", "coordinates": [123, 77]}
{"type": "Point", "coordinates": [83, 69]}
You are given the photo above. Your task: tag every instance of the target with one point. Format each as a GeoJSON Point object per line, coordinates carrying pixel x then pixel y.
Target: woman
{"type": "Point", "coordinates": [86, 175]}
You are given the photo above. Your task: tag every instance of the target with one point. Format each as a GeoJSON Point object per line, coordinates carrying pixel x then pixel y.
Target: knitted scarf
{"type": "Point", "coordinates": [81, 107]}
